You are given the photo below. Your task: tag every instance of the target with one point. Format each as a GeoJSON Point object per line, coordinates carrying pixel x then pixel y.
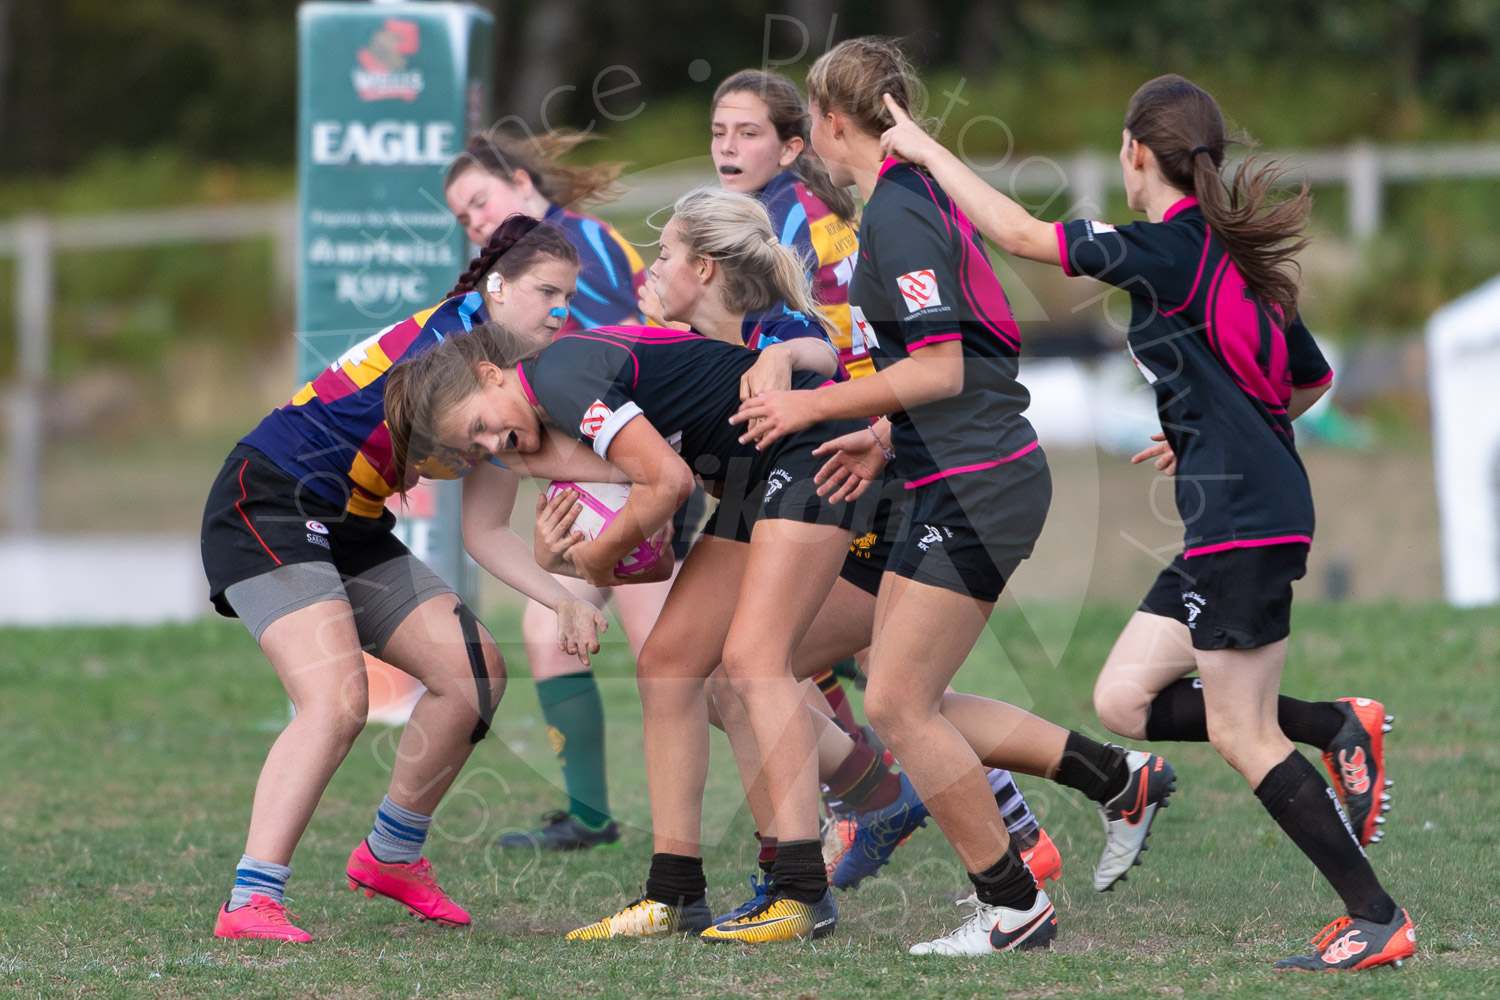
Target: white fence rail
{"type": "Point", "coordinates": [1083, 181]}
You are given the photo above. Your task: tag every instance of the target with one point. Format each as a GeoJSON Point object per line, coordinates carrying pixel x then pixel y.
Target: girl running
{"type": "Point", "coordinates": [297, 543]}
{"type": "Point", "coordinates": [750, 586]}
{"type": "Point", "coordinates": [1214, 329]}
{"type": "Point", "coordinates": [498, 174]}
{"type": "Point", "coordinates": [946, 348]}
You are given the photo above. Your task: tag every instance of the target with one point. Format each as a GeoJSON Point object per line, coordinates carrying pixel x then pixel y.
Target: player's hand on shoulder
{"type": "Point", "coordinates": [905, 139]}
{"type": "Point", "coordinates": [772, 372]}
{"type": "Point", "coordinates": [1165, 458]}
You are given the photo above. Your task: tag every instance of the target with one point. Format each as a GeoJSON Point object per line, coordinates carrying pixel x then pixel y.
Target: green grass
{"type": "Point", "coordinates": [128, 757]}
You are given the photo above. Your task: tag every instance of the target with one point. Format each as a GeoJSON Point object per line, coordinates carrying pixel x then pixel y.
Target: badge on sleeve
{"type": "Point", "coordinates": [919, 289]}
{"type": "Point", "coordinates": [594, 419]}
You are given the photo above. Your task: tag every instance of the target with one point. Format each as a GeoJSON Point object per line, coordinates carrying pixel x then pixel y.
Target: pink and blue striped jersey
{"type": "Point", "coordinates": [332, 436]}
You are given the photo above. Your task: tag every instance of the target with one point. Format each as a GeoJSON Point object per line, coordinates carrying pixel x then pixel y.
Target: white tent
{"type": "Point", "coordinates": [1463, 351]}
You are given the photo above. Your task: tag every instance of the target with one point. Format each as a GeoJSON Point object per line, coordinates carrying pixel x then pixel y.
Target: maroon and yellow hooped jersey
{"type": "Point", "coordinates": [332, 436]}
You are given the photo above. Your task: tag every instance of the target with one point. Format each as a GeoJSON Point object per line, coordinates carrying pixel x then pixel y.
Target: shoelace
{"type": "Point", "coordinates": [1325, 937]}
{"type": "Point", "coordinates": [273, 912]}
{"type": "Point", "coordinates": [422, 872]}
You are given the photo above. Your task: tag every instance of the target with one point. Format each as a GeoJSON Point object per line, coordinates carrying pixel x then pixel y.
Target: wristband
{"type": "Point", "coordinates": [887, 452]}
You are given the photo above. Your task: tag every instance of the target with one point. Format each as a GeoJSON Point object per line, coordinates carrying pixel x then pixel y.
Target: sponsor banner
{"type": "Point", "coordinates": [387, 95]}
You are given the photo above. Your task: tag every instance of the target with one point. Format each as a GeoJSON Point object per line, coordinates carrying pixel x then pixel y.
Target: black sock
{"type": "Point", "coordinates": [1299, 800]}
{"type": "Point", "coordinates": [1007, 882]}
{"type": "Point", "coordinates": [1096, 769]}
{"type": "Point", "coordinates": [676, 880]}
{"type": "Point", "coordinates": [798, 871]}
{"type": "Point", "coordinates": [1178, 714]}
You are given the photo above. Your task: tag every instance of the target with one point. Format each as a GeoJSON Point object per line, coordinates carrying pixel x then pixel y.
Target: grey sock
{"type": "Point", "coordinates": [262, 878]}
{"type": "Point", "coordinates": [399, 834]}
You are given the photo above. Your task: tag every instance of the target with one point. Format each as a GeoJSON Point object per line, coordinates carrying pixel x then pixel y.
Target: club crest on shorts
{"type": "Point", "coordinates": [919, 289]}
{"type": "Point", "coordinates": [1194, 603]}
{"type": "Point", "coordinates": [317, 527]}
{"type": "Point", "coordinates": [777, 480]}
{"type": "Point", "coordinates": [594, 419]}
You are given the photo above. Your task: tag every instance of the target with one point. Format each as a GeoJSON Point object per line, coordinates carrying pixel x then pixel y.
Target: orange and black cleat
{"type": "Point", "coordinates": [1356, 766]}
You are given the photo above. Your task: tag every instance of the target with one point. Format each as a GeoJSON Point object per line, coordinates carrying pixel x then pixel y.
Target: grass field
{"type": "Point", "coordinates": [128, 756]}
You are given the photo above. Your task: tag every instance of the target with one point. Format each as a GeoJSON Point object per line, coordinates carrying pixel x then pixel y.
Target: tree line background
{"type": "Point", "coordinates": [217, 81]}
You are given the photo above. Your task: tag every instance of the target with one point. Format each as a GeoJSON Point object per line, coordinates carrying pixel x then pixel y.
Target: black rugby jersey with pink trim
{"type": "Point", "coordinates": [924, 278]}
{"type": "Point", "coordinates": [594, 382]}
{"type": "Point", "coordinates": [1223, 365]}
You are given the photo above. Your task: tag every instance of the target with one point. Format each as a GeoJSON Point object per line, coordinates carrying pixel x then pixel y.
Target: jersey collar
{"type": "Point", "coordinates": [1180, 206]}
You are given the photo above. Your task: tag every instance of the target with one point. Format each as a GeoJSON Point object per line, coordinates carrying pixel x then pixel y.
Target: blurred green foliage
{"type": "Point", "coordinates": [108, 106]}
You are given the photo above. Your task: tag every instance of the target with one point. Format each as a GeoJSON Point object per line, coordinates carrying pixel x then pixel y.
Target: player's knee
{"type": "Point", "coordinates": [894, 716]}
{"type": "Point", "coordinates": [1121, 709]}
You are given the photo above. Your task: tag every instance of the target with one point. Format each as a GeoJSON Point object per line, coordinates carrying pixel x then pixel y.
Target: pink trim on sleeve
{"type": "Point", "coordinates": [1313, 385]}
{"type": "Point", "coordinates": [1062, 252]}
{"type": "Point", "coordinates": [936, 338]}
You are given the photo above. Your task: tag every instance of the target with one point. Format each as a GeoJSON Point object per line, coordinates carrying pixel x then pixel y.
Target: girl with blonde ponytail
{"type": "Point", "coordinates": [1214, 328]}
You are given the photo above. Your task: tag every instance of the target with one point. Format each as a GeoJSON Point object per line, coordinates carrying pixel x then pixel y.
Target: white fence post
{"type": "Point", "coordinates": [1363, 192]}
{"type": "Point", "coordinates": [34, 279]}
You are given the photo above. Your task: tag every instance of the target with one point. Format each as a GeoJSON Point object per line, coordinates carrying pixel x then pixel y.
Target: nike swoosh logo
{"type": "Point", "coordinates": [1000, 939]}
{"type": "Point", "coordinates": [1136, 812]}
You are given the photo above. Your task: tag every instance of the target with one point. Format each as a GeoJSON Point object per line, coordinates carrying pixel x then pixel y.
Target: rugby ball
{"type": "Point", "coordinates": [602, 502]}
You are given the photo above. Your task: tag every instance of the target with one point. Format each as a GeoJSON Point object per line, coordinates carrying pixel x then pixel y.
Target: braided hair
{"type": "Point", "coordinates": [513, 249]}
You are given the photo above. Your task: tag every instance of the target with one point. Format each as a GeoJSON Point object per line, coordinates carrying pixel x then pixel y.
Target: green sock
{"type": "Point", "coordinates": [575, 725]}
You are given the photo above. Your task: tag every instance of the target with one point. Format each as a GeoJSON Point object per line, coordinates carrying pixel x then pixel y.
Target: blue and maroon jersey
{"type": "Point", "coordinates": [924, 278]}
{"type": "Point", "coordinates": [594, 382]}
{"type": "Point", "coordinates": [1223, 365]}
{"type": "Point", "coordinates": [610, 272]}
{"type": "Point", "coordinates": [332, 436]}
{"type": "Point", "coordinates": [827, 243]}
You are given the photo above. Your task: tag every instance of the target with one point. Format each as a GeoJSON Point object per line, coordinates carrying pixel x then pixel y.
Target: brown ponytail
{"type": "Point", "coordinates": [1183, 126]}
{"type": "Point", "coordinates": [502, 153]}
{"type": "Point", "coordinates": [421, 391]}
{"type": "Point", "coordinates": [514, 248]}
{"type": "Point", "coordinates": [851, 77]}
{"type": "Point", "coordinates": [790, 118]}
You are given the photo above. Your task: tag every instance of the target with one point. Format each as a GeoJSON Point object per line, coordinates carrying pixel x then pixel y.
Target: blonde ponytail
{"type": "Point", "coordinates": [734, 231]}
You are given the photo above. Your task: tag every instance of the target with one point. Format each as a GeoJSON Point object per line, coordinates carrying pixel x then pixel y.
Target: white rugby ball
{"type": "Point", "coordinates": [602, 502]}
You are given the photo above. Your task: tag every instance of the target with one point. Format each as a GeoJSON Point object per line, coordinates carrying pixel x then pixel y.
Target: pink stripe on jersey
{"type": "Point", "coordinates": [1313, 385]}
{"type": "Point", "coordinates": [971, 468]}
{"type": "Point", "coordinates": [1181, 205]}
{"type": "Point", "coordinates": [1062, 252]}
{"type": "Point", "coordinates": [526, 387]}
{"type": "Point", "coordinates": [1208, 235]}
{"type": "Point", "coordinates": [936, 338]}
{"type": "Point", "coordinates": [614, 343]}
{"type": "Point", "coordinates": [1249, 544]}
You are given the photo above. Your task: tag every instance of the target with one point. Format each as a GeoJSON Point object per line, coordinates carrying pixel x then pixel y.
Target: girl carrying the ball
{"type": "Point", "coordinates": [656, 403]}
{"type": "Point", "coordinates": [297, 543]}
{"type": "Point", "coordinates": [501, 173]}
{"type": "Point", "coordinates": [1215, 330]}
{"type": "Point", "coordinates": [946, 351]}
